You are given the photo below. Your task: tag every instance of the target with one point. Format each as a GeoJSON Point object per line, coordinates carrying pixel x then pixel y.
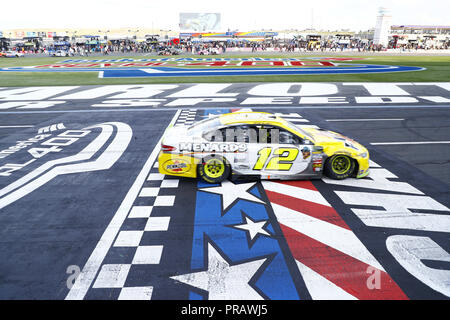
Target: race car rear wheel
{"type": "Point", "coordinates": [339, 167]}
{"type": "Point", "coordinates": [214, 169]}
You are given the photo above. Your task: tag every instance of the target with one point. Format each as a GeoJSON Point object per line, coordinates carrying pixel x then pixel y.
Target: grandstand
{"type": "Point", "coordinates": [437, 37]}
{"type": "Point", "coordinates": [398, 36]}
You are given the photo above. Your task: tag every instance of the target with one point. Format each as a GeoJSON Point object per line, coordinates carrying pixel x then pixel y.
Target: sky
{"type": "Point", "coordinates": [239, 15]}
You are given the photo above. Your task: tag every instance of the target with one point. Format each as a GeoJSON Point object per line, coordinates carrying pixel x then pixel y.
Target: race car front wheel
{"type": "Point", "coordinates": [339, 167]}
{"type": "Point", "coordinates": [214, 169]}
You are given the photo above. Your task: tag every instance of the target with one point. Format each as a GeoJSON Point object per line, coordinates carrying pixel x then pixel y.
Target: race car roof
{"type": "Point", "coordinates": [248, 117]}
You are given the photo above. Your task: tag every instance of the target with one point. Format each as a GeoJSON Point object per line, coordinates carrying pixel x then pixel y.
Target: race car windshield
{"type": "Point", "coordinates": [204, 126]}
{"type": "Point", "coordinates": [294, 127]}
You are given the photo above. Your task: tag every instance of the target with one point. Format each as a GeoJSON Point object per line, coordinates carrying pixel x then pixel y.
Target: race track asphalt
{"type": "Point", "coordinates": [81, 221]}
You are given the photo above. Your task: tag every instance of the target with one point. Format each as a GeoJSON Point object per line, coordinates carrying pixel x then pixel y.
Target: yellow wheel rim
{"type": "Point", "coordinates": [341, 164]}
{"type": "Point", "coordinates": [214, 168]}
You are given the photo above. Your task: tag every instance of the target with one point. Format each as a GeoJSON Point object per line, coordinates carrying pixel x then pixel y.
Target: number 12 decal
{"type": "Point", "coordinates": [281, 159]}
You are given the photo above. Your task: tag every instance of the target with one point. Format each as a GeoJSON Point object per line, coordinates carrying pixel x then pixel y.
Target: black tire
{"type": "Point", "coordinates": [213, 169]}
{"type": "Point", "coordinates": [339, 167]}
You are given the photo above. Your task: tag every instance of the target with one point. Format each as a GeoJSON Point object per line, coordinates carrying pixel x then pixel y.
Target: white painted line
{"type": "Point", "coordinates": [379, 180]}
{"type": "Point", "coordinates": [170, 183]}
{"type": "Point", "coordinates": [397, 213]}
{"type": "Point", "coordinates": [308, 126]}
{"type": "Point", "coordinates": [337, 120]}
{"type": "Point", "coordinates": [157, 224]}
{"type": "Point", "coordinates": [149, 192]}
{"type": "Point", "coordinates": [90, 269]}
{"type": "Point", "coordinates": [112, 276]}
{"type": "Point", "coordinates": [155, 176]}
{"type": "Point", "coordinates": [164, 201]}
{"type": "Point", "coordinates": [136, 293]}
{"type": "Point", "coordinates": [296, 107]}
{"type": "Point", "coordinates": [435, 99]}
{"type": "Point", "coordinates": [288, 115]}
{"type": "Point", "coordinates": [148, 255]}
{"type": "Point", "coordinates": [295, 120]}
{"type": "Point", "coordinates": [128, 239]}
{"type": "Point", "coordinates": [17, 126]}
{"type": "Point", "coordinates": [151, 70]}
{"type": "Point", "coordinates": [341, 239]}
{"type": "Point", "coordinates": [409, 250]}
{"type": "Point", "coordinates": [408, 142]}
{"type": "Point", "coordinates": [373, 164]}
{"type": "Point", "coordinates": [296, 192]}
{"type": "Point", "coordinates": [321, 288]}
{"type": "Point", "coordinates": [140, 212]}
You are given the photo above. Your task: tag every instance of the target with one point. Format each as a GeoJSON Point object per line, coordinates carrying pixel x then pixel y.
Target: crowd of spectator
{"type": "Point", "coordinates": [203, 46]}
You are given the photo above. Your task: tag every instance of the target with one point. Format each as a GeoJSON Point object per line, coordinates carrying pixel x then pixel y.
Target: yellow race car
{"type": "Point", "coordinates": [259, 145]}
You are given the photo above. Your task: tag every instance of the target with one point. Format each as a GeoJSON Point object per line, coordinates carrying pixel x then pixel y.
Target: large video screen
{"type": "Point", "coordinates": [200, 22]}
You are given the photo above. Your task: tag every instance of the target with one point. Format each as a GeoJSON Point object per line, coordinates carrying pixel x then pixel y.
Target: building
{"type": "Point", "coordinates": [420, 36]}
{"type": "Point", "coordinates": [382, 28]}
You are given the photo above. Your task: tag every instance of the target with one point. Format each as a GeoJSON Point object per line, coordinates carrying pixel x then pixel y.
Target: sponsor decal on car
{"type": "Point", "coordinates": [177, 166]}
{"type": "Point", "coordinates": [213, 147]}
{"type": "Point", "coordinates": [306, 152]}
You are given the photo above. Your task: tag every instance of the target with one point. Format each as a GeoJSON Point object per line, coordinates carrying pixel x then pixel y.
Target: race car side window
{"type": "Point", "coordinates": [286, 137]}
{"type": "Point", "coordinates": [265, 133]}
{"type": "Point", "coordinates": [242, 133]}
{"type": "Point", "coordinates": [217, 135]}
{"type": "Point", "coordinates": [253, 134]}
{"type": "Point", "coordinates": [238, 133]}
{"type": "Point", "coordinates": [276, 135]}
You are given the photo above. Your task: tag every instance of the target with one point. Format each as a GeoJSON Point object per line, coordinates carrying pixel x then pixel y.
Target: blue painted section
{"type": "Point", "coordinates": [180, 72]}
{"type": "Point", "coordinates": [217, 111]}
{"type": "Point", "coordinates": [195, 296]}
{"type": "Point", "coordinates": [211, 225]}
{"type": "Point", "coordinates": [354, 69]}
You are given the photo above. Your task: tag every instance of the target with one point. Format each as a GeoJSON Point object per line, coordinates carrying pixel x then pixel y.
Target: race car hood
{"type": "Point", "coordinates": [325, 137]}
{"type": "Point", "coordinates": [174, 134]}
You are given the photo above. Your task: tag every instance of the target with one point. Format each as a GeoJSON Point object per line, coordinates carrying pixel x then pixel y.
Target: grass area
{"type": "Point", "coordinates": [437, 69]}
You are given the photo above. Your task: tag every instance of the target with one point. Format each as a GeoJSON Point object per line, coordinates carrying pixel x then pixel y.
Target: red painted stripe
{"type": "Point", "coordinates": [306, 184]}
{"type": "Point", "coordinates": [316, 210]}
{"type": "Point", "coordinates": [343, 270]}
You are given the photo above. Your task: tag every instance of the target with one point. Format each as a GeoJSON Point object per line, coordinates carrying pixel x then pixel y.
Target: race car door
{"type": "Point", "coordinates": [279, 153]}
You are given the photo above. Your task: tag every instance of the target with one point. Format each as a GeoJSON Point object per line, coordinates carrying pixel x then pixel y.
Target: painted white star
{"type": "Point", "coordinates": [223, 281]}
{"type": "Point", "coordinates": [253, 228]}
{"type": "Point", "coordinates": [230, 192]}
